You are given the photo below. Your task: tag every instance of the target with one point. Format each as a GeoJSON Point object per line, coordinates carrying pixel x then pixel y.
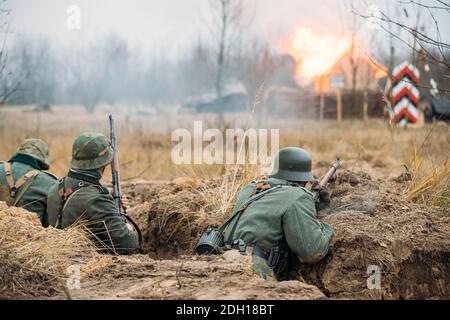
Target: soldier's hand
{"type": "Point", "coordinates": [124, 201]}
{"type": "Point", "coordinates": [130, 227]}
{"type": "Point", "coordinates": [324, 199]}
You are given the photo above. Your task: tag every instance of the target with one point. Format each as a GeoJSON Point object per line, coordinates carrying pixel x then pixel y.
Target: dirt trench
{"type": "Point", "coordinates": [374, 226]}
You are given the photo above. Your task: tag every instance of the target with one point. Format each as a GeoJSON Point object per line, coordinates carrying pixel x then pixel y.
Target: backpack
{"type": "Point", "coordinates": [14, 191]}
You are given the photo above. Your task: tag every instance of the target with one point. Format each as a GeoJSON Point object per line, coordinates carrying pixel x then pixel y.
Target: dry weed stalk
{"type": "Point", "coordinates": [235, 178]}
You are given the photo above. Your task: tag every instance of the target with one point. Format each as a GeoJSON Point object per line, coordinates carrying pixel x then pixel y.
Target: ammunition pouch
{"type": "Point", "coordinates": [278, 258]}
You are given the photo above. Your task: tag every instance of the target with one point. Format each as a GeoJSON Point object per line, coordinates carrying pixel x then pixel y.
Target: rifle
{"type": "Point", "coordinates": [117, 190]}
{"type": "Point", "coordinates": [326, 178]}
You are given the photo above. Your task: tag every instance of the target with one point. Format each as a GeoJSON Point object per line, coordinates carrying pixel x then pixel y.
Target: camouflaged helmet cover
{"type": "Point", "coordinates": [91, 151]}
{"type": "Point", "coordinates": [37, 149]}
{"type": "Point", "coordinates": [293, 164]}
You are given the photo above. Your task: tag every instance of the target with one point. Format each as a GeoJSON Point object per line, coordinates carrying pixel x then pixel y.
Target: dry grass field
{"type": "Point", "coordinates": [144, 140]}
{"type": "Point", "coordinates": [390, 206]}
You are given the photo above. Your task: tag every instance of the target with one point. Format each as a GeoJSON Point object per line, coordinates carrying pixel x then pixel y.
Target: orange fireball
{"type": "Point", "coordinates": [316, 53]}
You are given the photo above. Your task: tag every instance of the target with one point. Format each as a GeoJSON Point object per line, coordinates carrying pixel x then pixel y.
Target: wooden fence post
{"type": "Point", "coordinates": [339, 106]}
{"type": "Point", "coordinates": [321, 107]}
{"type": "Point", "coordinates": [365, 106]}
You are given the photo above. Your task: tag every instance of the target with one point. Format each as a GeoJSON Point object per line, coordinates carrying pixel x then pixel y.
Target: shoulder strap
{"type": "Point", "coordinates": [261, 186]}
{"type": "Point", "coordinates": [26, 180]}
{"type": "Point", "coordinates": [246, 204]}
{"type": "Point", "coordinates": [50, 174]}
{"type": "Point", "coordinates": [10, 179]}
{"type": "Point", "coordinates": [8, 174]}
{"type": "Point", "coordinates": [26, 177]}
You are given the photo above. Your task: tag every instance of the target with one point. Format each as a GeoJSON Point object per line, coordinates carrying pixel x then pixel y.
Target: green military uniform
{"type": "Point", "coordinates": [80, 197]}
{"type": "Point", "coordinates": [23, 181]}
{"type": "Point", "coordinates": [285, 215]}
{"type": "Point", "coordinates": [93, 204]}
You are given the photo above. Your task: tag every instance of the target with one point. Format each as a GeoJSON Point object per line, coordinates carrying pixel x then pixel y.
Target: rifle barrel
{"type": "Point", "coordinates": [330, 173]}
{"type": "Point", "coordinates": [323, 182]}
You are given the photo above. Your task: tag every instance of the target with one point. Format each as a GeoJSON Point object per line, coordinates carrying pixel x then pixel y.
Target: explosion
{"type": "Point", "coordinates": [316, 53]}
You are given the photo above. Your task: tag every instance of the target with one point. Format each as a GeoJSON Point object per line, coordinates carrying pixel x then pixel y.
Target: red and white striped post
{"type": "Point", "coordinates": [405, 96]}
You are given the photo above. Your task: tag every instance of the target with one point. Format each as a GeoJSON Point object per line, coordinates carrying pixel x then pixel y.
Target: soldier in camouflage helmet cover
{"type": "Point", "coordinates": [23, 179]}
{"type": "Point", "coordinates": [37, 149]}
{"type": "Point", "coordinates": [80, 196]}
{"type": "Point", "coordinates": [283, 218]}
{"type": "Point", "coordinates": [91, 151]}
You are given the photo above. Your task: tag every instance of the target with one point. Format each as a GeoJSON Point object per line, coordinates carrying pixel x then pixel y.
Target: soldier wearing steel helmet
{"type": "Point", "coordinates": [80, 197]}
{"type": "Point", "coordinates": [23, 179]}
{"type": "Point", "coordinates": [281, 226]}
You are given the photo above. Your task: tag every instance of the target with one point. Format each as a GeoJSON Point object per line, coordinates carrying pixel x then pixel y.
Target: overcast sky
{"type": "Point", "coordinates": [158, 24]}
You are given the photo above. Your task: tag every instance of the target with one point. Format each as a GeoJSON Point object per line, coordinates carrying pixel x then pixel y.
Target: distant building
{"type": "Point", "coordinates": [284, 73]}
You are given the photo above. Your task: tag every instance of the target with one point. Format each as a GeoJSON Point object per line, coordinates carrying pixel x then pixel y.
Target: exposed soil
{"type": "Point", "coordinates": [375, 225]}
{"type": "Point", "coordinates": [172, 215]}
{"type": "Point", "coordinates": [225, 277]}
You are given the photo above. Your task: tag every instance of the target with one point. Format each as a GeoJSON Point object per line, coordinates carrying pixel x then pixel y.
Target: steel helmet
{"type": "Point", "coordinates": [91, 151]}
{"type": "Point", "coordinates": [293, 164]}
{"type": "Point", "coordinates": [37, 149]}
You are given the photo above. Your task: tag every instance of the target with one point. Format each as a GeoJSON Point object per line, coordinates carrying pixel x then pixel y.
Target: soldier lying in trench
{"type": "Point", "coordinates": [281, 226]}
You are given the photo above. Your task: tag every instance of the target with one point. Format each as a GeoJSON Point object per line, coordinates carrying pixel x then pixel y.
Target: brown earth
{"type": "Point", "coordinates": [374, 225]}
{"type": "Point", "coordinates": [224, 277]}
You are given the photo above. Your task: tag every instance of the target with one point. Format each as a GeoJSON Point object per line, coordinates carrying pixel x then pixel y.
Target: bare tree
{"type": "Point", "coordinates": [227, 15]}
{"type": "Point", "coordinates": [352, 25]}
{"type": "Point", "coordinates": [36, 65]}
{"type": "Point", "coordinates": [100, 73]}
{"type": "Point", "coordinates": [8, 84]}
{"type": "Point", "coordinates": [415, 36]}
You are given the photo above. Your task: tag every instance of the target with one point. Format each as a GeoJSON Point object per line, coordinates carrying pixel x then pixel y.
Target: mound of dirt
{"type": "Point", "coordinates": [34, 260]}
{"type": "Point", "coordinates": [375, 226]}
{"type": "Point", "coordinates": [173, 215]}
{"type": "Point", "coordinates": [351, 178]}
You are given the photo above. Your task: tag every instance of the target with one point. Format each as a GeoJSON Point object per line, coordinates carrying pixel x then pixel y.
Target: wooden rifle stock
{"type": "Point", "coordinates": [117, 190]}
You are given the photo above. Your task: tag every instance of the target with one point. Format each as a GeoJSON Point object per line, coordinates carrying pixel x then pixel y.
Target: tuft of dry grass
{"type": "Point", "coordinates": [429, 184]}
{"type": "Point", "coordinates": [34, 260]}
{"type": "Point", "coordinates": [430, 168]}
